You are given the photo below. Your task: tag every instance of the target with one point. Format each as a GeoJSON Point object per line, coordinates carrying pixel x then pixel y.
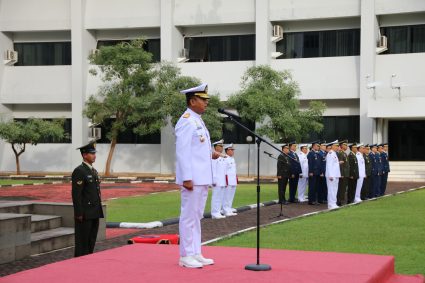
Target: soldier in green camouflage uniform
{"type": "Point", "coordinates": [345, 173]}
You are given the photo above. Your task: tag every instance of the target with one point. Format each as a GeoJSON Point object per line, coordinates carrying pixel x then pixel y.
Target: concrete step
{"type": "Point", "coordinates": [53, 239]}
{"type": "Point", "coordinates": [19, 207]}
{"type": "Point", "coordinates": [44, 222]}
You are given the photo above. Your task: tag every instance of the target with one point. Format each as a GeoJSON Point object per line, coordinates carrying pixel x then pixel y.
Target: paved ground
{"type": "Point", "coordinates": [62, 192]}
{"type": "Point", "coordinates": [210, 229]}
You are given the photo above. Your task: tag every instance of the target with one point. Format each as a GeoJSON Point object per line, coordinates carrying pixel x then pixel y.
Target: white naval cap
{"type": "Point", "coordinates": [220, 142]}
{"type": "Point", "coordinates": [334, 142]}
{"type": "Point", "coordinates": [360, 144]}
{"type": "Point", "coordinates": [200, 90]}
{"type": "Point", "coordinates": [303, 145]}
{"type": "Point", "coordinates": [229, 146]}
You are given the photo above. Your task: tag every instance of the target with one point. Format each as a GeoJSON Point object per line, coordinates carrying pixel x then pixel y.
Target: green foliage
{"type": "Point", "coordinates": [388, 226]}
{"type": "Point", "coordinates": [168, 83]}
{"type": "Point", "coordinates": [32, 131]}
{"type": "Point", "coordinates": [269, 97]}
{"type": "Point", "coordinates": [145, 208]}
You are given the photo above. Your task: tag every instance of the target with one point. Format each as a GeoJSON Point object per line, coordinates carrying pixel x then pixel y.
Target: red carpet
{"type": "Point", "coordinates": [158, 263]}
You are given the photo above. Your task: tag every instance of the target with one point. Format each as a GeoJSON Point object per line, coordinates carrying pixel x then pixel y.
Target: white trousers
{"type": "Point", "coordinates": [332, 192]}
{"type": "Point", "coordinates": [217, 199]}
{"type": "Point", "coordinates": [302, 187]}
{"type": "Point", "coordinates": [359, 185]}
{"type": "Point", "coordinates": [229, 194]}
{"type": "Point", "coordinates": [191, 212]}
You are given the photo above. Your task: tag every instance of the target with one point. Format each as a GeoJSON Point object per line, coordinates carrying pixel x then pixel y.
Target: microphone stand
{"type": "Point", "coordinates": [258, 139]}
{"type": "Point", "coordinates": [281, 204]}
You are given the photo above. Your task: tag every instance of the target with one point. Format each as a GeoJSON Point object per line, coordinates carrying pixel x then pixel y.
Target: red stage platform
{"type": "Point", "coordinates": [159, 263]}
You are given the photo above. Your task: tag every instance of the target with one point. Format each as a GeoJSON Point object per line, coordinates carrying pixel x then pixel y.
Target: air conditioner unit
{"type": "Point", "coordinates": [382, 45]}
{"type": "Point", "coordinates": [183, 56]}
{"type": "Point", "coordinates": [277, 33]}
{"type": "Point", "coordinates": [95, 133]}
{"type": "Point", "coordinates": [11, 55]}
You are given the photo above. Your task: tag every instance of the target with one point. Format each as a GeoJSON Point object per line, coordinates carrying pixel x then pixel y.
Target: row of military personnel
{"type": "Point", "coordinates": [337, 173]}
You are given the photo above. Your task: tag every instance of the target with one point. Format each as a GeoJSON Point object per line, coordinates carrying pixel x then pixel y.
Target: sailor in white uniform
{"type": "Point", "coordinates": [303, 180]}
{"type": "Point", "coordinates": [362, 172]}
{"type": "Point", "coordinates": [333, 174]}
{"type": "Point", "coordinates": [193, 174]}
{"type": "Point", "coordinates": [219, 181]}
{"type": "Point", "coordinates": [232, 181]}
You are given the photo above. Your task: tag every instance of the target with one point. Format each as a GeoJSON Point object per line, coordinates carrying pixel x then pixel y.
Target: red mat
{"type": "Point", "coordinates": [158, 263]}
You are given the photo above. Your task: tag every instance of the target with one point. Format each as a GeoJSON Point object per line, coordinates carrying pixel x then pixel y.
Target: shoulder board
{"type": "Point", "coordinates": [186, 115]}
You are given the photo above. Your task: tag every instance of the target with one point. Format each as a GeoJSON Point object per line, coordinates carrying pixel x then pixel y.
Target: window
{"type": "Point", "coordinates": [406, 138]}
{"type": "Point", "coordinates": [234, 134]}
{"type": "Point", "coordinates": [221, 48]}
{"type": "Point", "coordinates": [43, 53]}
{"type": "Point", "coordinates": [67, 126]}
{"type": "Point", "coordinates": [320, 44]}
{"type": "Point", "coordinates": [128, 136]}
{"type": "Point", "coordinates": [151, 45]}
{"type": "Point", "coordinates": [339, 127]}
{"type": "Point", "coordinates": [405, 39]}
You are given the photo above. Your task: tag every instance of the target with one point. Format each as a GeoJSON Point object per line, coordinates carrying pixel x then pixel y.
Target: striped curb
{"type": "Point", "coordinates": [32, 184]}
{"type": "Point", "coordinates": [172, 221]}
{"type": "Point", "coordinates": [304, 215]}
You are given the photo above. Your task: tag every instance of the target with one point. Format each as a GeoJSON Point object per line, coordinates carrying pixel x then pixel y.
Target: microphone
{"type": "Point", "coordinates": [225, 112]}
{"type": "Point", "coordinates": [268, 153]}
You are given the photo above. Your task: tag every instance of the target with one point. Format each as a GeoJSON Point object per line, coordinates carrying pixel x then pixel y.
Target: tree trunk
{"type": "Point", "coordinates": [17, 154]}
{"type": "Point", "coordinates": [109, 160]}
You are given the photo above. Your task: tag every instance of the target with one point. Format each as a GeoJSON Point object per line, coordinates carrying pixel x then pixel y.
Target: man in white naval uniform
{"type": "Point", "coordinates": [232, 181]}
{"type": "Point", "coordinates": [333, 174]}
{"type": "Point", "coordinates": [193, 174]}
{"type": "Point", "coordinates": [362, 172]}
{"type": "Point", "coordinates": [303, 180]}
{"type": "Point", "coordinates": [219, 182]}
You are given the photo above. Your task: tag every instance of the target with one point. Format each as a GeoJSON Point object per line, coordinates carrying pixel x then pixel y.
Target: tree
{"type": "Point", "coordinates": [127, 95]}
{"type": "Point", "coordinates": [169, 82]}
{"type": "Point", "coordinates": [33, 131]}
{"type": "Point", "coordinates": [138, 95]}
{"type": "Point", "coordinates": [269, 97]}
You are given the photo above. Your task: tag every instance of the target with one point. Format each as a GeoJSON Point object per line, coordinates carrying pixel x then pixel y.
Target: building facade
{"type": "Point", "coordinates": [364, 58]}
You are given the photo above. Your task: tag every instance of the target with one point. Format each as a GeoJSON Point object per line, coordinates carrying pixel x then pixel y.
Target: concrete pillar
{"type": "Point", "coordinates": [368, 39]}
{"type": "Point", "coordinates": [82, 42]}
{"type": "Point", "coordinates": [263, 32]}
{"type": "Point", "coordinates": [385, 131]}
{"type": "Point", "coordinates": [171, 37]}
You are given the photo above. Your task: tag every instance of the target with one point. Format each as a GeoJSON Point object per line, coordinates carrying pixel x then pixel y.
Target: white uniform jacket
{"type": "Point", "coordinates": [219, 171]}
{"type": "Point", "coordinates": [193, 150]}
{"type": "Point", "coordinates": [231, 176]}
{"type": "Point", "coordinates": [332, 165]}
{"type": "Point", "coordinates": [361, 164]}
{"type": "Point", "coordinates": [304, 164]}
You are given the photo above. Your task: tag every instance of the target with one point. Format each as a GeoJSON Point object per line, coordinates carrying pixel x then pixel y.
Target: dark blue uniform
{"type": "Point", "coordinates": [295, 175]}
{"type": "Point", "coordinates": [376, 173]}
{"type": "Point", "coordinates": [385, 170]}
{"type": "Point", "coordinates": [314, 171]}
{"type": "Point", "coordinates": [323, 188]}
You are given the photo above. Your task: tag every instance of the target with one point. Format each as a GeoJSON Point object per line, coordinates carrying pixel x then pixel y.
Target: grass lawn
{"type": "Point", "coordinates": [390, 226]}
{"type": "Point", "coordinates": [11, 182]}
{"type": "Point", "coordinates": [167, 205]}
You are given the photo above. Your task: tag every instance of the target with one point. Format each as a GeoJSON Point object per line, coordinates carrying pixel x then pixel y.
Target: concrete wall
{"type": "Point", "coordinates": [36, 84]}
{"type": "Point", "coordinates": [222, 77]}
{"type": "Point", "coordinates": [310, 9]}
{"type": "Point", "coordinates": [211, 12]}
{"type": "Point", "coordinates": [317, 81]}
{"type": "Point", "coordinates": [411, 83]}
{"type": "Point", "coordinates": [106, 14]}
{"type": "Point", "coordinates": [29, 15]}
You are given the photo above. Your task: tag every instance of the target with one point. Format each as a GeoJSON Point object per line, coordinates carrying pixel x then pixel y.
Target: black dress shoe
{"type": "Point", "coordinates": [311, 203]}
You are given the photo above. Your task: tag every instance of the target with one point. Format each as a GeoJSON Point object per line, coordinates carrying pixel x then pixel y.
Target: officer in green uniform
{"type": "Point", "coordinates": [87, 201]}
{"type": "Point", "coordinates": [354, 173]}
{"type": "Point", "coordinates": [367, 180]}
{"type": "Point", "coordinates": [283, 173]}
{"type": "Point", "coordinates": [344, 167]}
